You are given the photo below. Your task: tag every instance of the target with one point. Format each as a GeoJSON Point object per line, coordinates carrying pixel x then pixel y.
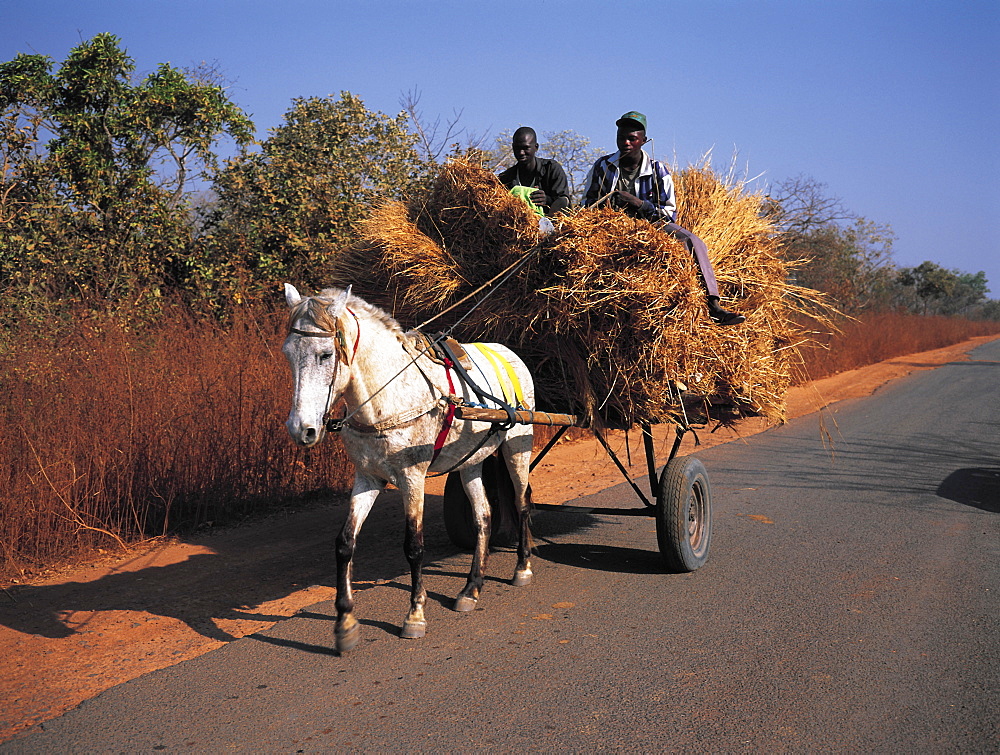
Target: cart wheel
{"type": "Point", "coordinates": [684, 514]}
{"type": "Point", "coordinates": [499, 491]}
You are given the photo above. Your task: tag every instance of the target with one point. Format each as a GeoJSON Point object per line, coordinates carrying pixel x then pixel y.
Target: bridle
{"type": "Point", "coordinates": [340, 339]}
{"type": "Point", "coordinates": [340, 346]}
{"type": "Point", "coordinates": [347, 357]}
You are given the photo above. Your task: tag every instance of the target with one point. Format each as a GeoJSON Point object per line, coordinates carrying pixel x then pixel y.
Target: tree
{"type": "Point", "coordinates": [575, 154]}
{"type": "Point", "coordinates": [944, 292]}
{"type": "Point", "coordinates": [801, 205]}
{"type": "Point", "coordinates": [281, 213]}
{"type": "Point", "coordinates": [970, 291]}
{"type": "Point", "coordinates": [831, 249]}
{"type": "Point", "coordinates": [95, 170]}
{"type": "Point", "coordinates": [435, 139]}
{"type": "Point", "coordinates": [988, 310]}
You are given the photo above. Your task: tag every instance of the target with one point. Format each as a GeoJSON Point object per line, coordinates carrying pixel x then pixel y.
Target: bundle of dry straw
{"type": "Point", "coordinates": [608, 312]}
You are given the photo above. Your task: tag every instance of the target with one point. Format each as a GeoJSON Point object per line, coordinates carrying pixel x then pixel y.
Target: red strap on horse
{"type": "Point", "coordinates": [449, 415]}
{"type": "Point", "coordinates": [357, 336]}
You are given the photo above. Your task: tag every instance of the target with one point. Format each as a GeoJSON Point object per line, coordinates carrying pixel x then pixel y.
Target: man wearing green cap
{"type": "Point", "coordinates": [643, 188]}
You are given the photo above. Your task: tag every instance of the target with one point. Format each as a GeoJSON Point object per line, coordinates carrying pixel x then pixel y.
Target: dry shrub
{"type": "Point", "coordinates": [109, 434]}
{"type": "Point", "coordinates": [608, 312]}
{"type": "Point", "coordinates": [877, 336]}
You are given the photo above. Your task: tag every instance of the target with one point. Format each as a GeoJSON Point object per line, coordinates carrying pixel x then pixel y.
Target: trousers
{"type": "Point", "coordinates": [697, 248]}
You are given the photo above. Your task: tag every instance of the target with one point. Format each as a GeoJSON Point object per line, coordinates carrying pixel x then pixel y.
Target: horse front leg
{"type": "Point", "coordinates": [347, 632]}
{"type": "Point", "coordinates": [472, 480]}
{"type": "Point", "coordinates": [411, 486]}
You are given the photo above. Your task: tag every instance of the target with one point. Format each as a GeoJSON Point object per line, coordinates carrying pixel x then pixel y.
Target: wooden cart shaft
{"type": "Point", "coordinates": [566, 421]}
{"type": "Point", "coordinates": [521, 417]}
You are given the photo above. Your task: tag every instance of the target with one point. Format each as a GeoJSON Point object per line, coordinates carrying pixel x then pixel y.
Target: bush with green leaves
{"type": "Point", "coordinates": [282, 212]}
{"type": "Point", "coordinates": [95, 169]}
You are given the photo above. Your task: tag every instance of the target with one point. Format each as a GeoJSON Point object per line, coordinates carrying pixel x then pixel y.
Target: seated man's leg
{"type": "Point", "coordinates": [697, 248]}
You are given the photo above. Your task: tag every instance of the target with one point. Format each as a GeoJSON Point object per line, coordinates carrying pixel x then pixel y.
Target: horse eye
{"type": "Point", "coordinates": [325, 356]}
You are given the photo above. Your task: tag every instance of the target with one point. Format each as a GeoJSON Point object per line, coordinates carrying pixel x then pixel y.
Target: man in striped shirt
{"type": "Point", "coordinates": [643, 188]}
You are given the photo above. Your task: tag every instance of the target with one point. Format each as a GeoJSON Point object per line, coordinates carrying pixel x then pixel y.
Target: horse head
{"type": "Point", "coordinates": [317, 351]}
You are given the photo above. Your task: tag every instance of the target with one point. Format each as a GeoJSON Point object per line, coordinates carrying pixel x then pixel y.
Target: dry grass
{"type": "Point", "coordinates": [609, 312]}
{"type": "Point", "coordinates": [876, 337]}
{"type": "Point", "coordinates": [110, 436]}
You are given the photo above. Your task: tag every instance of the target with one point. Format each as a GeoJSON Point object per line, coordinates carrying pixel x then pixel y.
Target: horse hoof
{"type": "Point", "coordinates": [413, 630]}
{"type": "Point", "coordinates": [348, 638]}
{"type": "Point", "coordinates": [522, 578]}
{"type": "Point", "coordinates": [464, 603]}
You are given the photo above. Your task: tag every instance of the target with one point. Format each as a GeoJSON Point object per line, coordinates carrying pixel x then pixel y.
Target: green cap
{"type": "Point", "coordinates": [632, 119]}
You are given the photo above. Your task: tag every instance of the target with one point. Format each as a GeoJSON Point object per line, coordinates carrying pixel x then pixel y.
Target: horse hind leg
{"type": "Point", "coordinates": [516, 453]}
{"type": "Point", "coordinates": [472, 480]}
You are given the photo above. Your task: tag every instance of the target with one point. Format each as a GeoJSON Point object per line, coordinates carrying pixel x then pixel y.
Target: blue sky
{"type": "Point", "coordinates": [895, 106]}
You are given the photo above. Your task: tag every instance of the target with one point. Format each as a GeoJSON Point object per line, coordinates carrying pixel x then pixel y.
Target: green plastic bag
{"type": "Point", "coordinates": [524, 193]}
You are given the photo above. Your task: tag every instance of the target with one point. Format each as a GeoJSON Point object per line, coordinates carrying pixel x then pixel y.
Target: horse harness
{"type": "Point", "coordinates": [452, 355]}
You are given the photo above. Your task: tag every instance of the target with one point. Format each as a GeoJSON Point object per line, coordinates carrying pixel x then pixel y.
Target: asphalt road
{"type": "Point", "coordinates": [849, 604]}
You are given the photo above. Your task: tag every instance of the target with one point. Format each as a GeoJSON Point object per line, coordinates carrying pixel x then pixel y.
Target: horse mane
{"type": "Point", "coordinates": [315, 311]}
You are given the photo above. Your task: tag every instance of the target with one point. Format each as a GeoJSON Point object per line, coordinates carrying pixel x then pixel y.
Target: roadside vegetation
{"type": "Point", "coordinates": [140, 322]}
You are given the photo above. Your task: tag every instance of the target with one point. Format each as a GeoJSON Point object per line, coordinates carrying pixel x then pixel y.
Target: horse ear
{"type": "Point", "coordinates": [292, 295]}
{"type": "Point", "coordinates": [340, 304]}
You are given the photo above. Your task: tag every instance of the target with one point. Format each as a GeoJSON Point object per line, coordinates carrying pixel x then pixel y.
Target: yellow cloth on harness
{"type": "Point", "coordinates": [511, 387]}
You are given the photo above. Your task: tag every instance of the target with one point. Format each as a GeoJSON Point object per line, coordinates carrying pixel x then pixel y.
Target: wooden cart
{"type": "Point", "coordinates": [682, 506]}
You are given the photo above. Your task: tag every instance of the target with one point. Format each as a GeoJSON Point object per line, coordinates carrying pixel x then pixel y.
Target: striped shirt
{"type": "Point", "coordinates": [654, 186]}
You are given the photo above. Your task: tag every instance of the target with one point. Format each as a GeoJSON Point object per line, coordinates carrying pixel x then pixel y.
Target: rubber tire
{"type": "Point", "coordinates": [499, 492]}
{"type": "Point", "coordinates": [684, 515]}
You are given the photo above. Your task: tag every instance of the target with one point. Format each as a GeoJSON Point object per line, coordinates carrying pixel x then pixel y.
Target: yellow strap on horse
{"type": "Point", "coordinates": [512, 386]}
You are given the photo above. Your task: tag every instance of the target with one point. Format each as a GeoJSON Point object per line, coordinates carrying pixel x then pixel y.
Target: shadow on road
{"type": "Point", "coordinates": [247, 566]}
{"type": "Point", "coordinates": [978, 487]}
{"type": "Point", "coordinates": [606, 558]}
{"type": "Point", "coordinates": [242, 570]}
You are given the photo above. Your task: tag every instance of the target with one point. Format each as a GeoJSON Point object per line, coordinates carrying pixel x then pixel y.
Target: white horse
{"type": "Point", "coordinates": [399, 428]}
